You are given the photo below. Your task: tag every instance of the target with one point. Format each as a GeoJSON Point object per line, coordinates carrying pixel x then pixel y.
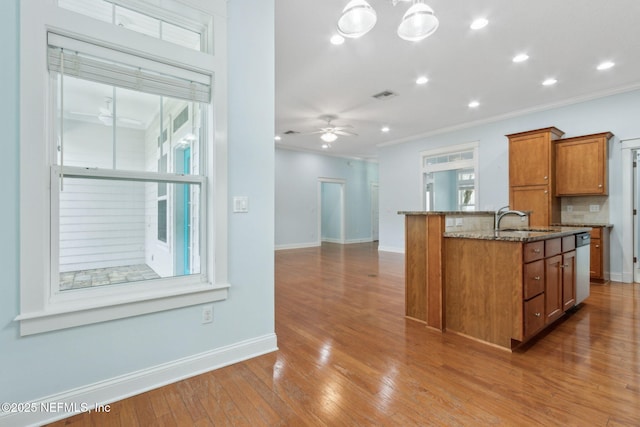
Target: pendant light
{"type": "Point", "coordinates": [357, 19]}
{"type": "Point", "coordinates": [418, 22]}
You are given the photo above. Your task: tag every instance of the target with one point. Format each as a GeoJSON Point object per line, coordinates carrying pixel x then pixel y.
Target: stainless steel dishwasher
{"type": "Point", "coordinates": [583, 261]}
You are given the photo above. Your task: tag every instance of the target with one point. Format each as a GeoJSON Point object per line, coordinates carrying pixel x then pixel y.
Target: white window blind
{"type": "Point", "coordinates": [89, 64]}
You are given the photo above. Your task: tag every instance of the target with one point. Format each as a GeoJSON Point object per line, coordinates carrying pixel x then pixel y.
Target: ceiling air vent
{"type": "Point", "coordinates": [291, 132]}
{"type": "Point", "coordinates": [386, 94]}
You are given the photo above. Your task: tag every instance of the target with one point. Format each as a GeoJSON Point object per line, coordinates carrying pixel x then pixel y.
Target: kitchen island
{"type": "Point", "coordinates": [505, 287]}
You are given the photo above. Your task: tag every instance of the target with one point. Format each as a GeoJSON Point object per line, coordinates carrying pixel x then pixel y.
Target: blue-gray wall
{"type": "Point", "coordinates": [399, 164]}
{"type": "Point", "coordinates": [331, 211]}
{"type": "Point", "coordinates": [43, 364]}
{"type": "Point", "coordinates": [296, 209]}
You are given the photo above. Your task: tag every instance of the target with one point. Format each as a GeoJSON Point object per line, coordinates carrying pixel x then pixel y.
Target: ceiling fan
{"type": "Point", "coordinates": [331, 132]}
{"type": "Point", "coordinates": [105, 115]}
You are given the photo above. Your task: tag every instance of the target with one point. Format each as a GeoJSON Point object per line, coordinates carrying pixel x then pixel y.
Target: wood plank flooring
{"type": "Point", "coordinates": [348, 357]}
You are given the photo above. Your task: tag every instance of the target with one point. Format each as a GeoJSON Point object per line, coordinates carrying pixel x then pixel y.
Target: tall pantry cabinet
{"type": "Point", "coordinates": [532, 175]}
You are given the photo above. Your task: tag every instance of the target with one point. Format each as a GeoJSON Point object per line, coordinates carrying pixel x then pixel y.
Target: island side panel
{"type": "Point", "coordinates": [415, 267]}
{"type": "Point", "coordinates": [483, 289]}
{"type": "Point", "coordinates": [435, 280]}
{"type": "Point", "coordinates": [423, 269]}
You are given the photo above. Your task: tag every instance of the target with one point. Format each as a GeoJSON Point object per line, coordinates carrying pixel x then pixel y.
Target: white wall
{"type": "Point", "coordinates": [296, 209]}
{"type": "Point", "coordinates": [78, 358]}
{"type": "Point", "coordinates": [331, 216]}
{"type": "Point", "coordinates": [399, 164]}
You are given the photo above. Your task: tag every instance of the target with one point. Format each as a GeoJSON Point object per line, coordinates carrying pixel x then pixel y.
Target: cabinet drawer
{"type": "Point", "coordinates": [533, 315]}
{"type": "Point", "coordinates": [596, 233]}
{"type": "Point", "coordinates": [552, 247]}
{"type": "Point", "coordinates": [533, 251]}
{"type": "Point", "coordinates": [533, 279]}
{"type": "Point", "coordinates": [568, 243]}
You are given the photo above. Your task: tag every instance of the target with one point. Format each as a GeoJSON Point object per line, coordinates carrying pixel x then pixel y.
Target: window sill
{"type": "Point", "coordinates": [69, 315]}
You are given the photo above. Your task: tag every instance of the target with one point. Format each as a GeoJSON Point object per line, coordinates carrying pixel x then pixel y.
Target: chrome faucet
{"type": "Point", "coordinates": [504, 211]}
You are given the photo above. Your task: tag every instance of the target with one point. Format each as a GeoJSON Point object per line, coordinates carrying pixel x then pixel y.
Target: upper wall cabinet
{"type": "Point", "coordinates": [581, 165]}
{"type": "Point", "coordinates": [531, 175]}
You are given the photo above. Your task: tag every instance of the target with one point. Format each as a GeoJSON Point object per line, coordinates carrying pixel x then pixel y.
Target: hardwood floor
{"type": "Point", "coordinates": [348, 357]}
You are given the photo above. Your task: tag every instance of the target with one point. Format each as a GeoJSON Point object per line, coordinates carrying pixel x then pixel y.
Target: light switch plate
{"type": "Point", "coordinates": [594, 208]}
{"type": "Point", "coordinates": [458, 222]}
{"type": "Point", "coordinates": [240, 204]}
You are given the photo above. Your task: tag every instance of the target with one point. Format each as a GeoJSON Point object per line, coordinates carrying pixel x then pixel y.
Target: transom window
{"type": "Point", "coordinates": [189, 34]}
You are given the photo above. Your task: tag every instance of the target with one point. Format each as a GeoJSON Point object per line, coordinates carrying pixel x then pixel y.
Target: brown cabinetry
{"type": "Point", "coordinates": [581, 165]}
{"type": "Point", "coordinates": [532, 175]}
{"type": "Point", "coordinates": [549, 273]}
{"type": "Point", "coordinates": [596, 270]}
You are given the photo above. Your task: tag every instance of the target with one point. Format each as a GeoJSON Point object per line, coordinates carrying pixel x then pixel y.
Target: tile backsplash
{"type": "Point", "coordinates": [581, 209]}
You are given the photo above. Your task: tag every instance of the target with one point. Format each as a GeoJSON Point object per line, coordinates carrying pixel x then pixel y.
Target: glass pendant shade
{"type": "Point", "coordinates": [328, 137]}
{"type": "Point", "coordinates": [418, 22]}
{"type": "Point", "coordinates": [357, 19]}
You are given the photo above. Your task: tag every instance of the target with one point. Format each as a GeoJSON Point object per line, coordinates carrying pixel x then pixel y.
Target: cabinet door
{"type": "Point", "coordinates": [581, 167]}
{"type": "Point", "coordinates": [568, 280]}
{"type": "Point", "coordinates": [596, 259]}
{"type": "Point", "coordinates": [553, 289]}
{"type": "Point", "coordinates": [529, 160]}
{"type": "Point", "coordinates": [535, 199]}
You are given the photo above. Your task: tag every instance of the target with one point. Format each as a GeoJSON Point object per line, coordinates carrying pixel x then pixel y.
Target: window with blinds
{"type": "Point", "coordinates": [129, 197]}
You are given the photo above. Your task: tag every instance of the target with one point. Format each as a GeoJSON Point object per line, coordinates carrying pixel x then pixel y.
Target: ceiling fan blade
{"type": "Point", "coordinates": [343, 127]}
{"type": "Point", "coordinates": [129, 121]}
{"type": "Point", "coordinates": [344, 133]}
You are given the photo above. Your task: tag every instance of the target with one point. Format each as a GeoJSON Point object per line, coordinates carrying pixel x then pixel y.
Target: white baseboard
{"type": "Point", "coordinates": [619, 277]}
{"type": "Point", "coordinates": [365, 240]}
{"type": "Point", "coordinates": [390, 249]}
{"type": "Point", "coordinates": [332, 240]}
{"type": "Point", "coordinates": [118, 388]}
{"type": "Point", "coordinates": [297, 246]}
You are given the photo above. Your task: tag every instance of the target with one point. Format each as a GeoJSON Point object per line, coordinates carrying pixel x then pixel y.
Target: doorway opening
{"type": "Point", "coordinates": [331, 217]}
{"type": "Point", "coordinates": [630, 203]}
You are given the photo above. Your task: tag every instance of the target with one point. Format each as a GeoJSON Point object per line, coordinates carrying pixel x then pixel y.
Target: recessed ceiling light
{"type": "Point", "coordinates": [549, 82]}
{"type": "Point", "coordinates": [337, 39]}
{"type": "Point", "coordinates": [520, 57]}
{"type": "Point", "coordinates": [474, 104]}
{"type": "Point", "coordinates": [605, 65]}
{"type": "Point", "coordinates": [385, 129]}
{"type": "Point", "coordinates": [479, 23]}
{"type": "Point", "coordinates": [422, 80]}
{"type": "Point", "coordinates": [277, 138]}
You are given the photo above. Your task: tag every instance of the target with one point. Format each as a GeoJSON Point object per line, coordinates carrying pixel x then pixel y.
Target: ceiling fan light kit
{"type": "Point", "coordinates": [358, 18]}
{"type": "Point", "coordinates": [328, 137]}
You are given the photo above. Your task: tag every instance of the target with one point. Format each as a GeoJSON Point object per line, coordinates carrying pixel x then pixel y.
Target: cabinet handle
{"type": "Point", "coordinates": [536, 251]}
{"type": "Point", "coordinates": [537, 314]}
{"type": "Point", "coordinates": [546, 177]}
{"type": "Point", "coordinates": [564, 265]}
{"type": "Point", "coordinates": [536, 278]}
{"type": "Point", "coordinates": [599, 185]}
{"type": "Point", "coordinates": [597, 246]}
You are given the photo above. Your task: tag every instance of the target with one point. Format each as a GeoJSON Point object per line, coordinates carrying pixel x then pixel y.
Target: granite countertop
{"type": "Point", "coordinates": [446, 213]}
{"type": "Point", "coordinates": [583, 224]}
{"type": "Point", "coordinates": [518, 235]}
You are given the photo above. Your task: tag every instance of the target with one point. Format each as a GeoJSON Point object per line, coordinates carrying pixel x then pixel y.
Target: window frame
{"type": "Point", "coordinates": [40, 309]}
{"type": "Point", "coordinates": [454, 165]}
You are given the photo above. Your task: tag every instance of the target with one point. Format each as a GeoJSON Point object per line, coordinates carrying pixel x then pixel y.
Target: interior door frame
{"type": "Point", "coordinates": [342, 184]}
{"type": "Point", "coordinates": [375, 225]}
{"type": "Point", "coordinates": [628, 266]}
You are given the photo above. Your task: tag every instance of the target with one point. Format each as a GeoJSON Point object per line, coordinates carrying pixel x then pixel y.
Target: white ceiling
{"type": "Point", "coordinates": [564, 39]}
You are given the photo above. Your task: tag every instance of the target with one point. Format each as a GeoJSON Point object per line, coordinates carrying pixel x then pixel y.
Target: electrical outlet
{"type": "Point", "coordinates": [458, 222]}
{"type": "Point", "coordinates": [207, 314]}
{"type": "Point", "coordinates": [594, 208]}
{"type": "Point", "coordinates": [569, 208]}
{"type": "Point", "coordinates": [449, 222]}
